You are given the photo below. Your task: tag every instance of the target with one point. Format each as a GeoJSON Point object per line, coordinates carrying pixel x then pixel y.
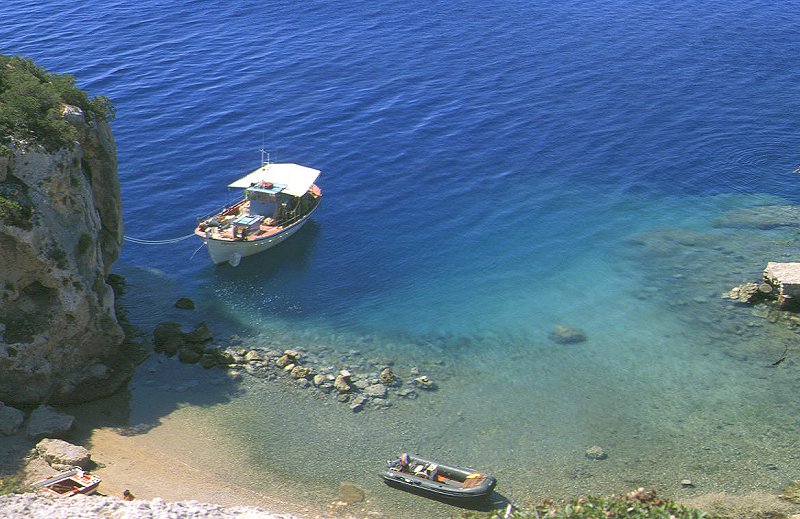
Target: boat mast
{"type": "Point", "coordinates": [264, 162]}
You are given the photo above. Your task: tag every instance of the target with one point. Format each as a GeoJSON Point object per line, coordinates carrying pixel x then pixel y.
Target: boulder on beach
{"type": "Point", "coordinates": [563, 334]}
{"type": "Point", "coordinates": [11, 420]}
{"type": "Point", "coordinates": [47, 422]}
{"type": "Point", "coordinates": [61, 455]}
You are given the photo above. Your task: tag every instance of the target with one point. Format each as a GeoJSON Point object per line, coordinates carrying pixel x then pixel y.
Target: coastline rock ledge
{"type": "Point", "coordinates": [60, 232]}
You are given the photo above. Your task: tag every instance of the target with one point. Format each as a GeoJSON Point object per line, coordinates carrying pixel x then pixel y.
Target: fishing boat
{"type": "Point", "coordinates": [438, 480]}
{"type": "Point", "coordinates": [69, 483]}
{"type": "Point", "coordinates": [277, 200]}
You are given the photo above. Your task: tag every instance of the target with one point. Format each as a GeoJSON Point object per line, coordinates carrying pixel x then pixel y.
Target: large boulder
{"type": "Point", "coordinates": [61, 455]}
{"type": "Point", "coordinates": [60, 233]}
{"type": "Point", "coordinates": [10, 420]}
{"type": "Point", "coordinates": [46, 422]}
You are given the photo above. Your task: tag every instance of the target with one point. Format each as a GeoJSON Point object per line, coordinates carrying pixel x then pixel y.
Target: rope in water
{"type": "Point", "coordinates": [157, 242]}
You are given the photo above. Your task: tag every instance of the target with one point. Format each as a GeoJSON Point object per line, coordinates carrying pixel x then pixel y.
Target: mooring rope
{"type": "Point", "coordinates": [157, 242]}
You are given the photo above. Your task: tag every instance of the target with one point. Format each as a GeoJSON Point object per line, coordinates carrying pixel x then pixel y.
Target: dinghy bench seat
{"type": "Point", "coordinates": [473, 481]}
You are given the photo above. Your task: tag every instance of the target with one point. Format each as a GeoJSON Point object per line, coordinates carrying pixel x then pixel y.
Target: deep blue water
{"type": "Point", "coordinates": [489, 171]}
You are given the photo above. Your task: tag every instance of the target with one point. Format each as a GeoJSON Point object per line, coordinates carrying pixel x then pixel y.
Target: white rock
{"type": "Point", "coordinates": [47, 422]}
{"type": "Point", "coordinates": [60, 454]}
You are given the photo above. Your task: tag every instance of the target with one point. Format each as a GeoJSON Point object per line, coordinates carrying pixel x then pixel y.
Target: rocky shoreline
{"type": "Point", "coordinates": [361, 384]}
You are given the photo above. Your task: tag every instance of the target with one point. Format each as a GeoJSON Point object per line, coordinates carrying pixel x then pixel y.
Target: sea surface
{"type": "Point", "coordinates": [490, 171]}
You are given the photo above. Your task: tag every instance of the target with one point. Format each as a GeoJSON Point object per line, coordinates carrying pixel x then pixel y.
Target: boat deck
{"type": "Point", "coordinates": [229, 224]}
{"type": "Point", "coordinates": [227, 231]}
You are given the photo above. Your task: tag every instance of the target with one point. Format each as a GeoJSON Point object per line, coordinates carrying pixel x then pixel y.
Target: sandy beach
{"type": "Point", "coordinates": [141, 464]}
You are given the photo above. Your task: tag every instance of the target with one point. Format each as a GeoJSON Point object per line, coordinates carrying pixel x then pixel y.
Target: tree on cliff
{"type": "Point", "coordinates": [32, 102]}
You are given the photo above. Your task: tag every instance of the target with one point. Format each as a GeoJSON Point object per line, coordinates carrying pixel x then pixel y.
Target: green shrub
{"type": "Point", "coordinates": [10, 484]}
{"type": "Point", "coordinates": [15, 206]}
{"type": "Point", "coordinates": [10, 211]}
{"type": "Point", "coordinates": [84, 244]}
{"type": "Point", "coordinates": [32, 101]}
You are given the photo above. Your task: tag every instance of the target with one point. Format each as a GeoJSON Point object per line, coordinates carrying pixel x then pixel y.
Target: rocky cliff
{"type": "Point", "coordinates": [60, 232]}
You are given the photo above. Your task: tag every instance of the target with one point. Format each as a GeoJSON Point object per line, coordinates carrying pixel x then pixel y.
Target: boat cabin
{"type": "Point", "coordinates": [274, 193]}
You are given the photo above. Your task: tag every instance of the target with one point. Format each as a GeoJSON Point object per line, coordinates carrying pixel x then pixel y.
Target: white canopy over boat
{"type": "Point", "coordinates": [297, 179]}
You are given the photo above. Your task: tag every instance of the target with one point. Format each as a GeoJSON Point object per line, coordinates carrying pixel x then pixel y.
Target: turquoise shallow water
{"type": "Point", "coordinates": [488, 174]}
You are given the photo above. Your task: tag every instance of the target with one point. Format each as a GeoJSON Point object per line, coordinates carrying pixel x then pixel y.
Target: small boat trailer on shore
{"type": "Point", "coordinates": [438, 480]}
{"type": "Point", "coordinates": [69, 483]}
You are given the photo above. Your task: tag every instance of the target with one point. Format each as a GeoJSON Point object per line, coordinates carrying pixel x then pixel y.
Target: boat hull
{"type": "Point", "coordinates": [423, 486]}
{"type": "Point", "coordinates": [227, 251]}
{"type": "Point", "coordinates": [69, 483]}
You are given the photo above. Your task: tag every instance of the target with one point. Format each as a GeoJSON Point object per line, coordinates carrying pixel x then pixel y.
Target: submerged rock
{"type": "Point", "coordinates": [200, 335]}
{"type": "Point", "coordinates": [407, 393]}
{"type": "Point", "coordinates": [375, 391]}
{"type": "Point", "coordinates": [184, 303]}
{"type": "Point", "coordinates": [283, 361]}
{"type": "Point", "coordinates": [563, 334]}
{"type": "Point", "coordinates": [188, 355]}
{"type": "Point", "coordinates": [595, 452]}
{"type": "Point", "coordinates": [358, 403]}
{"type": "Point", "coordinates": [424, 382]}
{"type": "Point", "coordinates": [302, 372]}
{"type": "Point", "coordinates": [350, 493]}
{"type": "Point", "coordinates": [387, 376]}
{"type": "Point", "coordinates": [253, 356]}
{"type": "Point", "coordinates": [751, 293]}
{"type": "Point", "coordinates": [341, 384]}
{"type": "Point", "coordinates": [761, 217]}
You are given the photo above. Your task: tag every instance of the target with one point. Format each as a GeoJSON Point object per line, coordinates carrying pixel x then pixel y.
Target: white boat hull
{"type": "Point", "coordinates": [227, 251]}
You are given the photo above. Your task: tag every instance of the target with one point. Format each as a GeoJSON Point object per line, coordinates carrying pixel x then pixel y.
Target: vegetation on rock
{"type": "Point", "coordinates": [10, 484]}
{"type": "Point", "coordinates": [638, 504]}
{"type": "Point", "coordinates": [32, 105]}
{"type": "Point", "coordinates": [15, 207]}
{"type": "Point", "coordinates": [792, 492]}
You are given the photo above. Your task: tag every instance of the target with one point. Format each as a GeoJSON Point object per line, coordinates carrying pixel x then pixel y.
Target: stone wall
{"type": "Point", "coordinates": [60, 232]}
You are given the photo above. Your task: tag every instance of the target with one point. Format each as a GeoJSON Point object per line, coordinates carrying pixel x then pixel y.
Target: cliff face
{"type": "Point", "coordinates": [60, 232]}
